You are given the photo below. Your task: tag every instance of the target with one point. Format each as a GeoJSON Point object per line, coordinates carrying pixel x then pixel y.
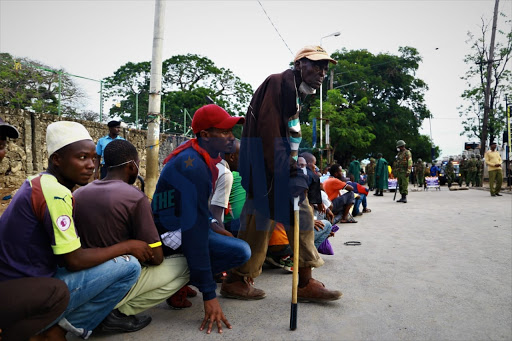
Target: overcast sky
{"type": "Point", "coordinates": [94, 38]}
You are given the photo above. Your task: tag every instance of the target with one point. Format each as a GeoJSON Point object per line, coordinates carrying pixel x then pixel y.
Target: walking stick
{"type": "Point", "coordinates": [396, 190]}
{"type": "Point", "coordinates": [295, 279]}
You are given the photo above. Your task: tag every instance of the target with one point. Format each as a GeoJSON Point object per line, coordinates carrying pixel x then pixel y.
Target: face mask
{"type": "Point", "coordinates": [304, 88]}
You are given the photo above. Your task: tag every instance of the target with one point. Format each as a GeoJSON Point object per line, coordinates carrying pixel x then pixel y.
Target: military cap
{"type": "Point", "coordinates": [400, 143]}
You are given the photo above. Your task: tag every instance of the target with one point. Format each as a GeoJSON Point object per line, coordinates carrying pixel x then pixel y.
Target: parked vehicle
{"type": "Point", "coordinates": [456, 169]}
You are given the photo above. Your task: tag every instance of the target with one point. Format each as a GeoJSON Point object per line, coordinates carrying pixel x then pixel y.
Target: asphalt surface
{"type": "Point", "coordinates": [436, 268]}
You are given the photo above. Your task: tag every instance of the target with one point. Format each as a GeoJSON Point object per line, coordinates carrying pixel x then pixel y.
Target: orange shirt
{"type": "Point", "coordinates": [332, 187]}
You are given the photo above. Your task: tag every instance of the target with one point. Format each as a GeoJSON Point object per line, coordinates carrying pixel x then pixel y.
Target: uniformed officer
{"type": "Point", "coordinates": [419, 169]}
{"type": "Point", "coordinates": [449, 173]}
{"type": "Point", "coordinates": [464, 163]}
{"type": "Point", "coordinates": [479, 170]}
{"type": "Point", "coordinates": [472, 170]}
{"type": "Point", "coordinates": [403, 169]}
{"type": "Point", "coordinates": [370, 171]}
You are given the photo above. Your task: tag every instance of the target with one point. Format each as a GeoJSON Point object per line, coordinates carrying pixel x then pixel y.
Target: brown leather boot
{"type": "Point", "coordinates": [241, 290]}
{"type": "Point", "coordinates": [315, 291]}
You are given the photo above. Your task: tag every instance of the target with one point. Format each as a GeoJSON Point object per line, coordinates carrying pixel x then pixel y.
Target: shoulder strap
{"type": "Point", "coordinates": [37, 198]}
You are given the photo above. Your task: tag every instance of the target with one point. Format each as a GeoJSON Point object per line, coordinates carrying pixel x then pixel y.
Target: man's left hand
{"type": "Point", "coordinates": [216, 227]}
{"type": "Point", "coordinates": [319, 225]}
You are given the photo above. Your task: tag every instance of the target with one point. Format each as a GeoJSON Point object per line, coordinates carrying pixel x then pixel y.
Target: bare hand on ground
{"type": "Point", "coordinates": [213, 313]}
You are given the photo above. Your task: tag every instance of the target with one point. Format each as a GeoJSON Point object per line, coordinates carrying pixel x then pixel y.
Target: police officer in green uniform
{"type": "Point", "coordinates": [403, 169]}
{"type": "Point", "coordinates": [472, 170]}
{"type": "Point", "coordinates": [419, 169]}
{"type": "Point", "coordinates": [370, 171]}
{"type": "Point", "coordinates": [479, 170]}
{"type": "Point", "coordinates": [463, 171]}
{"type": "Point", "coordinates": [449, 173]}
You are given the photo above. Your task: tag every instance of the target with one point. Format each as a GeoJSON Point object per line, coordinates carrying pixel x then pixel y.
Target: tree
{"type": "Point", "coordinates": [385, 103]}
{"type": "Point", "coordinates": [30, 85]}
{"type": "Point", "coordinates": [187, 81]}
{"type": "Point", "coordinates": [476, 78]}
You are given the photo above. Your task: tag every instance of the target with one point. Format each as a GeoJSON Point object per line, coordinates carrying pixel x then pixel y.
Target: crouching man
{"type": "Point", "coordinates": [38, 237]}
{"type": "Point", "coordinates": [110, 211]}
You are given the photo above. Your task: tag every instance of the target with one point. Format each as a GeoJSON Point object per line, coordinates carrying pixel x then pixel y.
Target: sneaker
{"type": "Point", "coordinates": [179, 300]}
{"type": "Point", "coordinates": [273, 261]}
{"type": "Point", "coordinates": [116, 321]}
{"type": "Point", "coordinates": [286, 263]}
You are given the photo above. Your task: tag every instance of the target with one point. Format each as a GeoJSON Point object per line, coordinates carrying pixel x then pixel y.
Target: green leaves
{"type": "Point", "coordinates": [186, 81]}
{"type": "Point", "coordinates": [387, 103]}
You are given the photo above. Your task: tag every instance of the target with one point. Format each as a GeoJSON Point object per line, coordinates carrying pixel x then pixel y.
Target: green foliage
{"type": "Point", "coordinates": [30, 85]}
{"type": "Point", "coordinates": [385, 104]}
{"type": "Point", "coordinates": [187, 81]}
{"type": "Point", "coordinates": [476, 78]}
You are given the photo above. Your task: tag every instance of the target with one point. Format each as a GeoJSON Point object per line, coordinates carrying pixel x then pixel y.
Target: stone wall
{"type": "Point", "coordinates": [28, 155]}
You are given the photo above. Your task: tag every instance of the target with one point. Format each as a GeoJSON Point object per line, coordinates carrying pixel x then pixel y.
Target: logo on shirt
{"type": "Point", "coordinates": [63, 222]}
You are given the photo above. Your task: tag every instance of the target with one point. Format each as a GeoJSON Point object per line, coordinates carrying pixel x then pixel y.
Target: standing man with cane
{"type": "Point", "coordinates": [268, 154]}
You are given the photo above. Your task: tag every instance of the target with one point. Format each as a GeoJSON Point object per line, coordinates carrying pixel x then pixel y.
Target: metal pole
{"type": "Point", "coordinates": [163, 116]}
{"type": "Point", "coordinates": [137, 110]}
{"type": "Point", "coordinates": [508, 172]}
{"type": "Point", "coordinates": [101, 101]}
{"type": "Point", "coordinates": [60, 90]}
{"type": "Point", "coordinates": [153, 137]}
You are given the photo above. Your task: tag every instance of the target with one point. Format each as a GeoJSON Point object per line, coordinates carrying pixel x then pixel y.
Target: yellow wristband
{"type": "Point", "coordinates": [157, 244]}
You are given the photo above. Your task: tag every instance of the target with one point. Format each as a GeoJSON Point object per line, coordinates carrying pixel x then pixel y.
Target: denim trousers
{"type": "Point", "coordinates": [322, 235]}
{"type": "Point", "coordinates": [357, 202]}
{"type": "Point", "coordinates": [94, 292]}
{"type": "Point", "coordinates": [227, 252]}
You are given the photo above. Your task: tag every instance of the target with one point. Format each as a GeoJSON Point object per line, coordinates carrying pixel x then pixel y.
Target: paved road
{"type": "Point", "coordinates": [436, 268]}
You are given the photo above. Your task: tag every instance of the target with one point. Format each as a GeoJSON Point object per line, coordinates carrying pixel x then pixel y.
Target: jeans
{"type": "Point", "coordinates": [357, 202]}
{"type": "Point", "coordinates": [322, 235]}
{"type": "Point", "coordinates": [227, 252]}
{"type": "Point", "coordinates": [94, 292]}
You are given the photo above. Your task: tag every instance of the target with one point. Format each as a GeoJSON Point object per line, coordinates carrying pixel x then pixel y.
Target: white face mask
{"type": "Point", "coordinates": [305, 89]}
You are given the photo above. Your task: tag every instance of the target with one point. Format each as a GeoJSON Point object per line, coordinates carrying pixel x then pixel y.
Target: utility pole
{"type": "Point", "coordinates": [155, 87]}
{"type": "Point", "coordinates": [487, 109]}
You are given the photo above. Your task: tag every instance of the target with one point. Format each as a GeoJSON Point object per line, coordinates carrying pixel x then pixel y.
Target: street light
{"type": "Point", "coordinates": [344, 85]}
{"type": "Point", "coordinates": [335, 34]}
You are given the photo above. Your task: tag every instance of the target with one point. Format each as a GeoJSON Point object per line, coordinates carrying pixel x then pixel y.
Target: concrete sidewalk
{"type": "Point", "coordinates": [436, 268]}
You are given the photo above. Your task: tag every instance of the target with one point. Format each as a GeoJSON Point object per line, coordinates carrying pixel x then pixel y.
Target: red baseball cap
{"type": "Point", "coordinates": [213, 116]}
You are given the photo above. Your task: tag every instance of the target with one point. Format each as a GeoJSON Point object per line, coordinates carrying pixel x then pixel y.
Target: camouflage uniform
{"type": "Point", "coordinates": [449, 173]}
{"type": "Point", "coordinates": [463, 166]}
{"type": "Point", "coordinates": [370, 171]}
{"type": "Point", "coordinates": [479, 170]}
{"type": "Point", "coordinates": [472, 170]}
{"type": "Point", "coordinates": [403, 166]}
{"type": "Point", "coordinates": [419, 169]}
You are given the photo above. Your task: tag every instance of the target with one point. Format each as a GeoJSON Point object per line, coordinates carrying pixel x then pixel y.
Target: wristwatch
{"type": "Point", "coordinates": [213, 220]}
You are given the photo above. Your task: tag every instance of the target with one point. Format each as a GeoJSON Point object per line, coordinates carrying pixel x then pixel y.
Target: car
{"type": "Point", "coordinates": [456, 169]}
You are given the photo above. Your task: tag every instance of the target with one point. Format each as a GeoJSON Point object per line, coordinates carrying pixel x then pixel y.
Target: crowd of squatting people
{"type": "Point", "coordinates": [77, 256]}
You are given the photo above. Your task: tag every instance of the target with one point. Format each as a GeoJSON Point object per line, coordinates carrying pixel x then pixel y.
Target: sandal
{"type": "Point", "coordinates": [367, 210]}
{"type": "Point", "coordinates": [348, 221]}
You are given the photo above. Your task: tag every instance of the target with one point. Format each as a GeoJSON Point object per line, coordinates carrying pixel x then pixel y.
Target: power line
{"type": "Point", "coordinates": [275, 28]}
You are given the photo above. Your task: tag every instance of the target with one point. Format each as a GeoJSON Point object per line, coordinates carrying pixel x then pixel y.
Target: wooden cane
{"type": "Point", "coordinates": [295, 278]}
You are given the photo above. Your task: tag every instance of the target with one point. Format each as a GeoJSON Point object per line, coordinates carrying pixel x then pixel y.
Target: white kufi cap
{"type": "Point", "coordinates": [60, 134]}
